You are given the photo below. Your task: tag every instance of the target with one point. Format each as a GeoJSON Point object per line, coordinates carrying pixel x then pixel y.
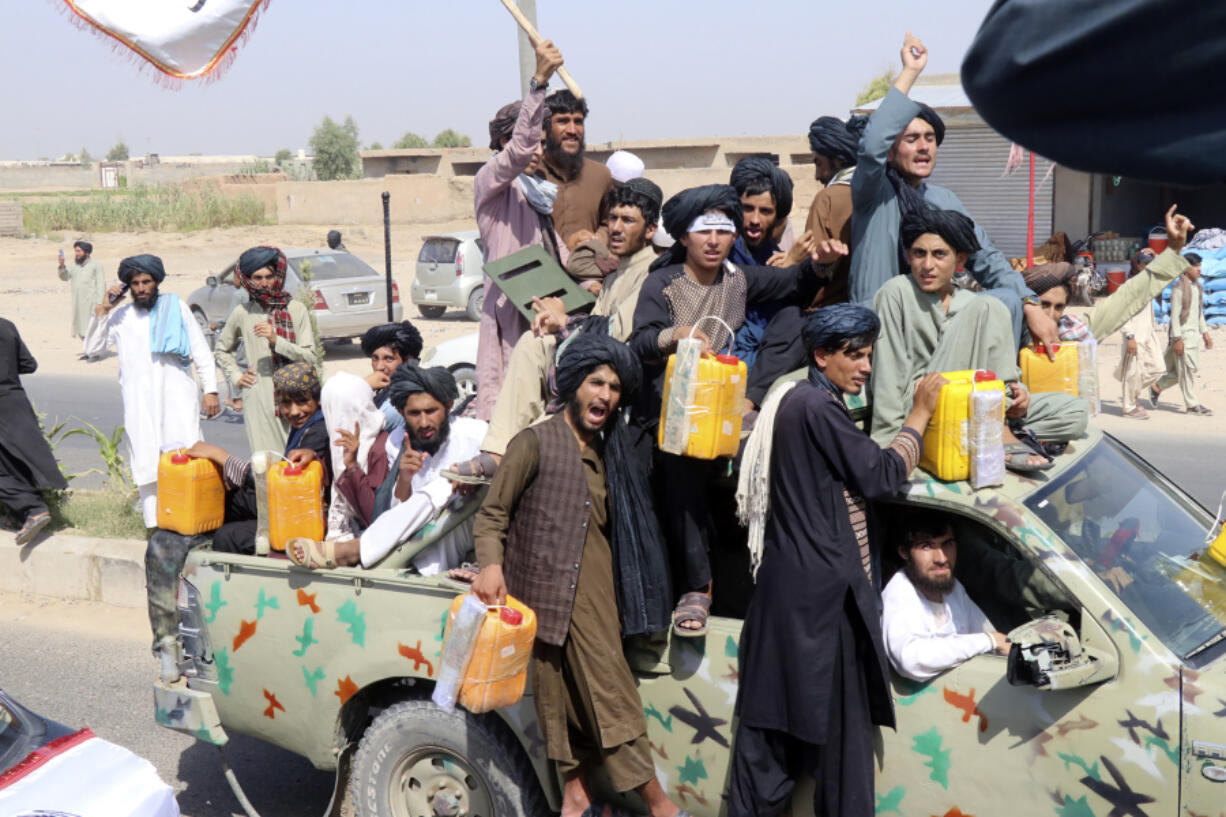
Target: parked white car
{"type": "Point", "coordinates": [458, 356]}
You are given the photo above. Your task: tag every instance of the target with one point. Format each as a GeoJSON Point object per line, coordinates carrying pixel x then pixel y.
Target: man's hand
{"type": "Point", "coordinates": [683, 332]}
{"type": "Point", "coordinates": [490, 586]}
{"type": "Point", "coordinates": [1208, 341]}
{"type": "Point", "coordinates": [1000, 643]}
{"type": "Point", "coordinates": [550, 316]}
{"type": "Point", "coordinates": [210, 405]}
{"type": "Point", "coordinates": [1021, 400]}
{"type": "Point", "coordinates": [1132, 347]}
{"type": "Point", "coordinates": [1042, 328]}
{"type": "Point", "coordinates": [247, 380]}
{"type": "Point", "coordinates": [914, 59]}
{"type": "Point", "coordinates": [1177, 229]}
{"type": "Point", "coordinates": [1177, 348]}
{"type": "Point", "coordinates": [829, 251]}
{"type": "Point", "coordinates": [927, 390]}
{"type": "Point", "coordinates": [778, 259]}
{"type": "Point", "coordinates": [301, 457]}
{"type": "Point", "coordinates": [802, 249]}
{"type": "Point", "coordinates": [578, 237]}
{"type": "Point", "coordinates": [265, 330]}
{"type": "Point", "coordinates": [377, 380]}
{"type": "Point", "coordinates": [593, 286]}
{"type": "Point", "coordinates": [347, 441]}
{"type": "Point", "coordinates": [207, 451]}
{"type": "Point", "coordinates": [110, 300]}
{"type": "Point", "coordinates": [411, 463]}
{"type": "Point", "coordinates": [548, 60]}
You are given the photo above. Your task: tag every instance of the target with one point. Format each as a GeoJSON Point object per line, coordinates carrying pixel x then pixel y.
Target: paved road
{"type": "Point", "coordinates": [88, 664]}
{"type": "Point", "coordinates": [1197, 463]}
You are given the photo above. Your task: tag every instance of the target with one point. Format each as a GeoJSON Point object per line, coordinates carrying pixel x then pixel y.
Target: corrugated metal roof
{"type": "Point", "coordinates": [938, 96]}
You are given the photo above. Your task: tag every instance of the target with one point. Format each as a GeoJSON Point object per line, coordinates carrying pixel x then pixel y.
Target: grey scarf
{"type": "Point", "coordinates": [540, 193]}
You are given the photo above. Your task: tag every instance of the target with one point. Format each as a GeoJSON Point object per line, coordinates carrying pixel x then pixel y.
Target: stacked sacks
{"type": "Point", "coordinates": [1213, 282]}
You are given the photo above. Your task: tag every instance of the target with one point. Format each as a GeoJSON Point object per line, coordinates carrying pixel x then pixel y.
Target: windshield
{"type": "Point", "coordinates": [13, 737]}
{"type": "Point", "coordinates": [438, 251]}
{"type": "Point", "coordinates": [1145, 539]}
{"type": "Point", "coordinates": [330, 267]}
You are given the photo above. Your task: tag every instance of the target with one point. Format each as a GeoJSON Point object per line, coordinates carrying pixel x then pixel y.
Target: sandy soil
{"type": "Point", "coordinates": [38, 302]}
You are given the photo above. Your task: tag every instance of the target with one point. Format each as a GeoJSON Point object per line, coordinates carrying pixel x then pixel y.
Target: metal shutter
{"type": "Point", "coordinates": [970, 163]}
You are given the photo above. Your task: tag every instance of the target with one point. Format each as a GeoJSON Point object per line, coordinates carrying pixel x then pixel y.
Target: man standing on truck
{"type": "Point", "coordinates": [565, 488]}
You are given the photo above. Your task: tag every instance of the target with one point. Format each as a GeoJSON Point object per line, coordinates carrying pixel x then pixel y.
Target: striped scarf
{"type": "Point", "coordinates": [275, 301]}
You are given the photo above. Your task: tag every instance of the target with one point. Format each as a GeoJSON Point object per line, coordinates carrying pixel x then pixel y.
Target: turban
{"type": "Point", "coordinates": [334, 239]}
{"type": "Point", "coordinates": [1047, 276]}
{"type": "Point", "coordinates": [954, 228]}
{"type": "Point", "coordinates": [136, 264]}
{"type": "Point", "coordinates": [830, 326]}
{"type": "Point", "coordinates": [503, 124]}
{"type": "Point", "coordinates": [930, 116]}
{"type": "Point", "coordinates": [403, 337]}
{"type": "Point", "coordinates": [835, 139]}
{"type": "Point", "coordinates": [410, 379]}
{"type": "Point", "coordinates": [625, 166]}
{"type": "Point", "coordinates": [299, 377]}
{"type": "Point", "coordinates": [590, 350]}
{"type": "Point", "coordinates": [85, 245]}
{"type": "Point", "coordinates": [681, 210]}
{"type": "Point", "coordinates": [257, 258]}
{"type": "Point", "coordinates": [648, 188]}
{"type": "Point", "coordinates": [757, 174]}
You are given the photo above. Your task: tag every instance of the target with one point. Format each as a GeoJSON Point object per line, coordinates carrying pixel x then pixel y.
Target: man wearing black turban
{"type": "Point", "coordinates": [388, 345]}
{"type": "Point", "coordinates": [690, 285]}
{"type": "Point", "coordinates": [929, 325]}
{"type": "Point", "coordinates": [543, 535]}
{"type": "Point", "coordinates": [818, 570]}
{"type": "Point", "coordinates": [897, 155]}
{"type": "Point", "coordinates": [766, 202]}
{"type": "Point", "coordinates": [88, 283]}
{"type": "Point", "coordinates": [334, 241]}
{"type": "Point", "coordinates": [407, 490]}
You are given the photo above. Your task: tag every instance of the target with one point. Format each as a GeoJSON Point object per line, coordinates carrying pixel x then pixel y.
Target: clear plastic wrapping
{"type": "Point", "coordinates": [485, 654]}
{"type": "Point", "coordinates": [1087, 374]}
{"type": "Point", "coordinates": [985, 438]}
{"type": "Point", "coordinates": [463, 623]}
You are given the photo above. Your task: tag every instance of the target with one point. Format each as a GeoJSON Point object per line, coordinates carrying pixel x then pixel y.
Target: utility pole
{"type": "Point", "coordinates": [527, 54]}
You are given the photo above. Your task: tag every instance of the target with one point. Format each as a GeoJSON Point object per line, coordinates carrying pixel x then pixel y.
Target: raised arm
{"type": "Point", "coordinates": [890, 119]}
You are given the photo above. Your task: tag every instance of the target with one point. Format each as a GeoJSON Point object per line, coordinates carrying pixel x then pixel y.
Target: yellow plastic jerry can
{"type": "Point", "coordinates": [191, 497]}
{"type": "Point", "coordinates": [946, 450]}
{"type": "Point", "coordinates": [295, 503]}
{"type": "Point", "coordinates": [498, 668]}
{"type": "Point", "coordinates": [1060, 375]}
{"type": "Point", "coordinates": [713, 413]}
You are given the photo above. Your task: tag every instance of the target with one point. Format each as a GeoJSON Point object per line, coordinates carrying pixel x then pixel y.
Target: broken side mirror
{"type": "Point", "coordinates": [1047, 654]}
{"type": "Point", "coordinates": [211, 281]}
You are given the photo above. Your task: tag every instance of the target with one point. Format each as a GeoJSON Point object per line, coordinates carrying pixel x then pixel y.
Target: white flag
{"type": "Point", "coordinates": [184, 39]}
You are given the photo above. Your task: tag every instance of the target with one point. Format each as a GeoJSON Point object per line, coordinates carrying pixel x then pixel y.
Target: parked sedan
{"type": "Point", "coordinates": [449, 275]}
{"type": "Point", "coordinates": [47, 768]}
{"type": "Point", "coordinates": [349, 295]}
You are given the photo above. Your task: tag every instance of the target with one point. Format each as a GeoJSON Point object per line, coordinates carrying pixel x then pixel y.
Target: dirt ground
{"type": "Point", "coordinates": [38, 302]}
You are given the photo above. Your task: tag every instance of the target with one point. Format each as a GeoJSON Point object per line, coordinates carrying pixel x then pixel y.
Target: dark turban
{"type": "Point", "coordinates": [1047, 276]}
{"type": "Point", "coordinates": [835, 139]}
{"type": "Point", "coordinates": [681, 210]}
{"type": "Point", "coordinates": [953, 227]}
{"type": "Point", "coordinates": [832, 326]}
{"type": "Point", "coordinates": [257, 258]}
{"type": "Point", "coordinates": [136, 264]}
{"type": "Point", "coordinates": [648, 188]}
{"type": "Point", "coordinates": [503, 123]}
{"type": "Point", "coordinates": [403, 337]}
{"type": "Point", "coordinates": [409, 379]}
{"type": "Point", "coordinates": [296, 378]}
{"type": "Point", "coordinates": [930, 116]}
{"type": "Point", "coordinates": [334, 239]}
{"type": "Point", "coordinates": [85, 245]}
{"type": "Point", "coordinates": [757, 174]}
{"type": "Point", "coordinates": [590, 350]}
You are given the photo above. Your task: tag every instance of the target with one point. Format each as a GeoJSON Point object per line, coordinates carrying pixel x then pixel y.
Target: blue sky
{"type": "Point", "coordinates": [650, 69]}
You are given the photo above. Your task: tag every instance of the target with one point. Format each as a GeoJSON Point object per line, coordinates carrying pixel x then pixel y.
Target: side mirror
{"type": "Point", "coordinates": [1047, 654]}
{"type": "Point", "coordinates": [211, 281]}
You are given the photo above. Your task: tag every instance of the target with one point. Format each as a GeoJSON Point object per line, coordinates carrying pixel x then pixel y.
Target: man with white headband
{"type": "Point", "coordinates": [689, 282]}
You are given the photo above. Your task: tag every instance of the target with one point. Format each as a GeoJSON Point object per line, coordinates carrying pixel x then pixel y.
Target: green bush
{"type": "Point", "coordinates": [158, 209]}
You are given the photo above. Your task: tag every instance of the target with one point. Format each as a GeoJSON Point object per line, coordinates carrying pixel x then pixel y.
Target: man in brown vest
{"type": "Point", "coordinates": [557, 518]}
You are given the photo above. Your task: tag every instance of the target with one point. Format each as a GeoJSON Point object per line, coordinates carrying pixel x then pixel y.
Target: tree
{"type": "Point", "coordinates": [375, 146]}
{"type": "Point", "coordinates": [335, 148]}
{"type": "Point", "coordinates": [876, 88]}
{"type": "Point", "coordinates": [118, 153]}
{"type": "Point", "coordinates": [283, 156]}
{"type": "Point", "coordinates": [451, 139]}
{"type": "Point", "coordinates": [85, 159]}
{"type": "Point", "coordinates": [410, 140]}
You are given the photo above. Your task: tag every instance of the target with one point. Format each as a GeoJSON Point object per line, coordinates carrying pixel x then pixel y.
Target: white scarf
{"type": "Point", "coordinates": [753, 487]}
{"type": "Point", "coordinates": [540, 193]}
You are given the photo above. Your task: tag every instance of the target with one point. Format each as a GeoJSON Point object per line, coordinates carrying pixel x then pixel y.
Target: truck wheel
{"type": "Point", "coordinates": [476, 300]}
{"type": "Point", "coordinates": [415, 760]}
{"type": "Point", "coordinates": [431, 312]}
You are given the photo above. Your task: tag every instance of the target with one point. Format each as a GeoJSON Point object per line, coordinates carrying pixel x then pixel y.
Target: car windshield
{"type": "Point", "coordinates": [325, 267]}
{"type": "Point", "coordinates": [438, 251]}
{"type": "Point", "coordinates": [13, 736]}
{"type": "Point", "coordinates": [1145, 539]}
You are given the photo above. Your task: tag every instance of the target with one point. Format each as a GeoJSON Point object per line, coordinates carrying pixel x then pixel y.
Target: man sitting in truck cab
{"type": "Point", "coordinates": [929, 623]}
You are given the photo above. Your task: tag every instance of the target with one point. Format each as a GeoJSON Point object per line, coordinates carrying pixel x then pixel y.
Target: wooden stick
{"type": "Point", "coordinates": [535, 38]}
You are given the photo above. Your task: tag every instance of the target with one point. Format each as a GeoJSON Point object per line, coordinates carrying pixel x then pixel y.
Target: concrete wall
{"type": "Point", "coordinates": [66, 177]}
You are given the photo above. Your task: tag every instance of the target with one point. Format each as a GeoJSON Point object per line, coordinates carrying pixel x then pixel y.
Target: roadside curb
{"type": "Point", "coordinates": [111, 571]}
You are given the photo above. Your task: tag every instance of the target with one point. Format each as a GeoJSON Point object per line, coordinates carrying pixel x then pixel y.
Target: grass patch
{"type": "Point", "coordinates": [157, 209]}
{"type": "Point", "coordinates": [105, 514]}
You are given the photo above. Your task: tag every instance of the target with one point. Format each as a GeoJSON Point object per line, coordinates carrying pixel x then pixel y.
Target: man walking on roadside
{"type": "Point", "coordinates": [1188, 332]}
{"type": "Point", "coordinates": [88, 283]}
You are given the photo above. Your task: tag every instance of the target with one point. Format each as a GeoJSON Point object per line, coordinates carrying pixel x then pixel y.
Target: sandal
{"type": "Point", "coordinates": [317, 555]}
{"type": "Point", "coordinates": [1137, 413]}
{"type": "Point", "coordinates": [477, 471]}
{"type": "Point", "coordinates": [35, 522]}
{"type": "Point", "coordinates": [1200, 410]}
{"type": "Point", "coordinates": [1154, 393]}
{"type": "Point", "coordinates": [693, 606]}
{"type": "Point", "coordinates": [1017, 458]}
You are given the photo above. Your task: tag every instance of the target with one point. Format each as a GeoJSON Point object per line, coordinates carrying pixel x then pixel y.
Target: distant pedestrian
{"type": "Point", "coordinates": [27, 465]}
{"type": "Point", "coordinates": [88, 283]}
{"type": "Point", "coordinates": [158, 341]}
{"type": "Point", "coordinates": [1188, 332]}
{"type": "Point", "coordinates": [334, 241]}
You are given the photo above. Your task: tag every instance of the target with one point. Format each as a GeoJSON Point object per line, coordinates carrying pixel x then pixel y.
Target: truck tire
{"type": "Point", "coordinates": [414, 753]}
{"type": "Point", "coordinates": [476, 300]}
{"type": "Point", "coordinates": [431, 312]}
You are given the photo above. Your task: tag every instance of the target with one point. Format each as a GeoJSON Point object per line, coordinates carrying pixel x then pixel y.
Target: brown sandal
{"type": "Point", "coordinates": [693, 606]}
{"type": "Point", "coordinates": [477, 471]}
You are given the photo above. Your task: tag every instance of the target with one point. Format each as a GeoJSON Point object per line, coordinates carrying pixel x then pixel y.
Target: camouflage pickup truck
{"type": "Point", "coordinates": [1113, 703]}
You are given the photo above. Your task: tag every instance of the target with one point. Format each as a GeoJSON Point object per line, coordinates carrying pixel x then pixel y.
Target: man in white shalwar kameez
{"type": "Point", "coordinates": [157, 341]}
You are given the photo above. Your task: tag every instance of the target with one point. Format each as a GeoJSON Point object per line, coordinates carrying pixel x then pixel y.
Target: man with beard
{"type": "Point", "coordinates": [409, 491]}
{"type": "Point", "coordinates": [88, 283]}
{"type": "Point", "coordinates": [897, 155]}
{"type": "Point", "coordinates": [929, 622]}
{"type": "Point", "coordinates": [158, 341]}
{"type": "Point", "coordinates": [633, 209]}
{"type": "Point", "coordinates": [581, 182]}
{"type": "Point", "coordinates": [388, 345]}
{"type": "Point", "coordinates": [817, 569]}
{"type": "Point", "coordinates": [562, 530]}
{"type": "Point", "coordinates": [513, 206]}
{"type": "Point", "coordinates": [275, 329]}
